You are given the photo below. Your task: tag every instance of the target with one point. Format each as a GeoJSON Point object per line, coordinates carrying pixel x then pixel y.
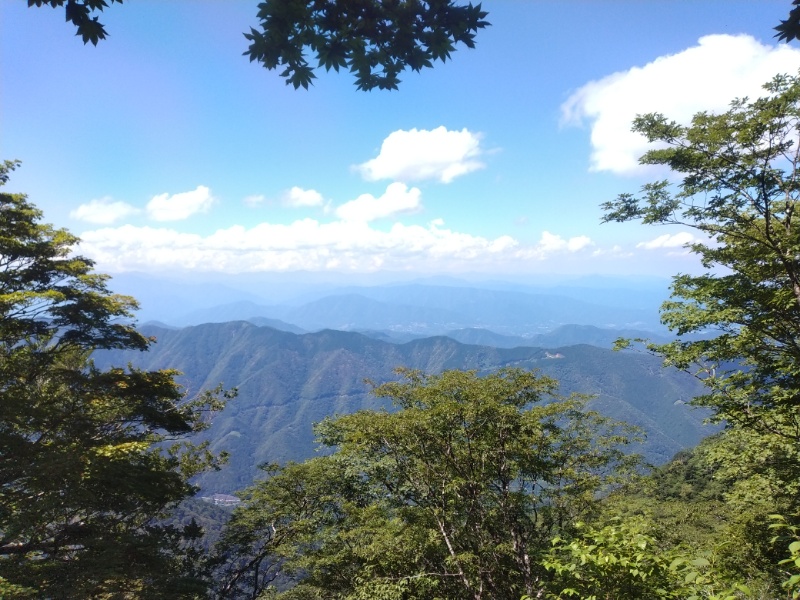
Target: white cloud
{"type": "Point", "coordinates": [307, 244]}
{"type": "Point", "coordinates": [614, 251]}
{"type": "Point", "coordinates": [550, 244]}
{"type": "Point", "coordinates": [397, 199]}
{"type": "Point", "coordinates": [299, 197]}
{"type": "Point", "coordinates": [254, 200]}
{"type": "Point", "coordinates": [677, 240]}
{"type": "Point", "coordinates": [706, 77]}
{"type": "Point", "coordinates": [179, 206]}
{"type": "Point", "coordinates": [419, 154]}
{"type": "Point", "coordinates": [104, 211]}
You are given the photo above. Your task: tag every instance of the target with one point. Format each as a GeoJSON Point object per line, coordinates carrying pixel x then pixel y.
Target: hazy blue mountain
{"type": "Point", "coordinates": [287, 382]}
{"type": "Point", "coordinates": [565, 335]}
{"type": "Point", "coordinates": [394, 337]}
{"type": "Point", "coordinates": [168, 299]}
{"type": "Point", "coordinates": [275, 324]}
{"type": "Point", "coordinates": [511, 312]}
{"type": "Point", "coordinates": [486, 337]}
{"type": "Point", "coordinates": [435, 311]}
{"type": "Point", "coordinates": [569, 335]}
{"type": "Point", "coordinates": [159, 324]}
{"type": "Point", "coordinates": [429, 306]}
{"type": "Point", "coordinates": [242, 310]}
{"type": "Point", "coordinates": [352, 311]}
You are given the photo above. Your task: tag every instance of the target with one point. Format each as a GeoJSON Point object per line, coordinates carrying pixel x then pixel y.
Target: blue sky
{"type": "Point", "coordinates": [165, 150]}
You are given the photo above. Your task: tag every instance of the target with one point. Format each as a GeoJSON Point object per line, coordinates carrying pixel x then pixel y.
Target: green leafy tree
{"type": "Point", "coordinates": [375, 40]}
{"type": "Point", "coordinates": [621, 560]}
{"type": "Point", "coordinates": [790, 535]}
{"type": "Point", "coordinates": [454, 495]}
{"type": "Point", "coordinates": [737, 186]}
{"type": "Point", "coordinates": [628, 560]}
{"type": "Point", "coordinates": [739, 189]}
{"type": "Point", "coordinates": [708, 512]}
{"type": "Point", "coordinates": [84, 472]}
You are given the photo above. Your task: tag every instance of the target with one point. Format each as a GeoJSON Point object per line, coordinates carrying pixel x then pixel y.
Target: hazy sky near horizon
{"type": "Point", "coordinates": [164, 149]}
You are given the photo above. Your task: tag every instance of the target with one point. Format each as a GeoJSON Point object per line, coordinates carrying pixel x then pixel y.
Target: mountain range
{"type": "Point", "coordinates": [288, 381]}
{"type": "Point", "coordinates": [422, 308]}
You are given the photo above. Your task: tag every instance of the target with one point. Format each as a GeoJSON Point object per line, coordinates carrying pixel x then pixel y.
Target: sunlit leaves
{"type": "Point", "coordinates": [739, 188]}
{"type": "Point", "coordinates": [453, 495]}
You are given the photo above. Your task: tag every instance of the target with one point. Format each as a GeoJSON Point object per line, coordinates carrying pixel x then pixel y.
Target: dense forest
{"type": "Point", "coordinates": [489, 483]}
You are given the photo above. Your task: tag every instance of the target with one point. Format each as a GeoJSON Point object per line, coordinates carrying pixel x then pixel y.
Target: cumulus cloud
{"type": "Point", "coordinates": [705, 77]}
{"type": "Point", "coordinates": [298, 197]}
{"type": "Point", "coordinates": [308, 244]}
{"type": "Point", "coordinates": [419, 155]}
{"type": "Point", "coordinates": [398, 198]}
{"type": "Point", "coordinates": [676, 240]}
{"type": "Point", "coordinates": [179, 206]}
{"type": "Point", "coordinates": [104, 211]}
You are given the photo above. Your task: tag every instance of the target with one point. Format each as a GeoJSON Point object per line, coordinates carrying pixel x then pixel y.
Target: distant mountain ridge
{"type": "Point", "coordinates": [287, 382]}
{"type": "Point", "coordinates": [429, 310]}
{"type": "Point", "coordinates": [565, 335]}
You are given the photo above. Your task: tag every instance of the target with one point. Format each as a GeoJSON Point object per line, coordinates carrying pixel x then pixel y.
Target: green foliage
{"type": "Point", "coordinates": [82, 474]}
{"type": "Point", "coordinates": [788, 534]}
{"type": "Point", "coordinates": [702, 507]}
{"type": "Point", "coordinates": [627, 559]}
{"type": "Point", "coordinates": [621, 560]}
{"type": "Point", "coordinates": [739, 191]}
{"type": "Point", "coordinates": [454, 495]}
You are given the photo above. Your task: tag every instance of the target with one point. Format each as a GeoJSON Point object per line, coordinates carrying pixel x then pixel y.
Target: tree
{"type": "Point", "coordinates": [739, 190]}
{"type": "Point", "coordinates": [624, 560]}
{"type": "Point", "coordinates": [694, 511]}
{"type": "Point", "coordinates": [80, 14]}
{"type": "Point", "coordinates": [789, 29]}
{"type": "Point", "coordinates": [84, 470]}
{"type": "Point", "coordinates": [375, 40]}
{"type": "Point", "coordinates": [455, 495]}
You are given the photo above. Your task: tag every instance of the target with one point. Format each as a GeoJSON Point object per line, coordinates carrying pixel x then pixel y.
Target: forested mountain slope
{"type": "Point", "coordinates": [287, 382]}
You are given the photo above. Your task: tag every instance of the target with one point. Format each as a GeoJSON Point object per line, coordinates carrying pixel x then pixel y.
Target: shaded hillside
{"type": "Point", "coordinates": [287, 382]}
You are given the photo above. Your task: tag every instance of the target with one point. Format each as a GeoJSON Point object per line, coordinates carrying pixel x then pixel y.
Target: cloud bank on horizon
{"type": "Point", "coordinates": [353, 235]}
{"type": "Point", "coordinates": [310, 245]}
